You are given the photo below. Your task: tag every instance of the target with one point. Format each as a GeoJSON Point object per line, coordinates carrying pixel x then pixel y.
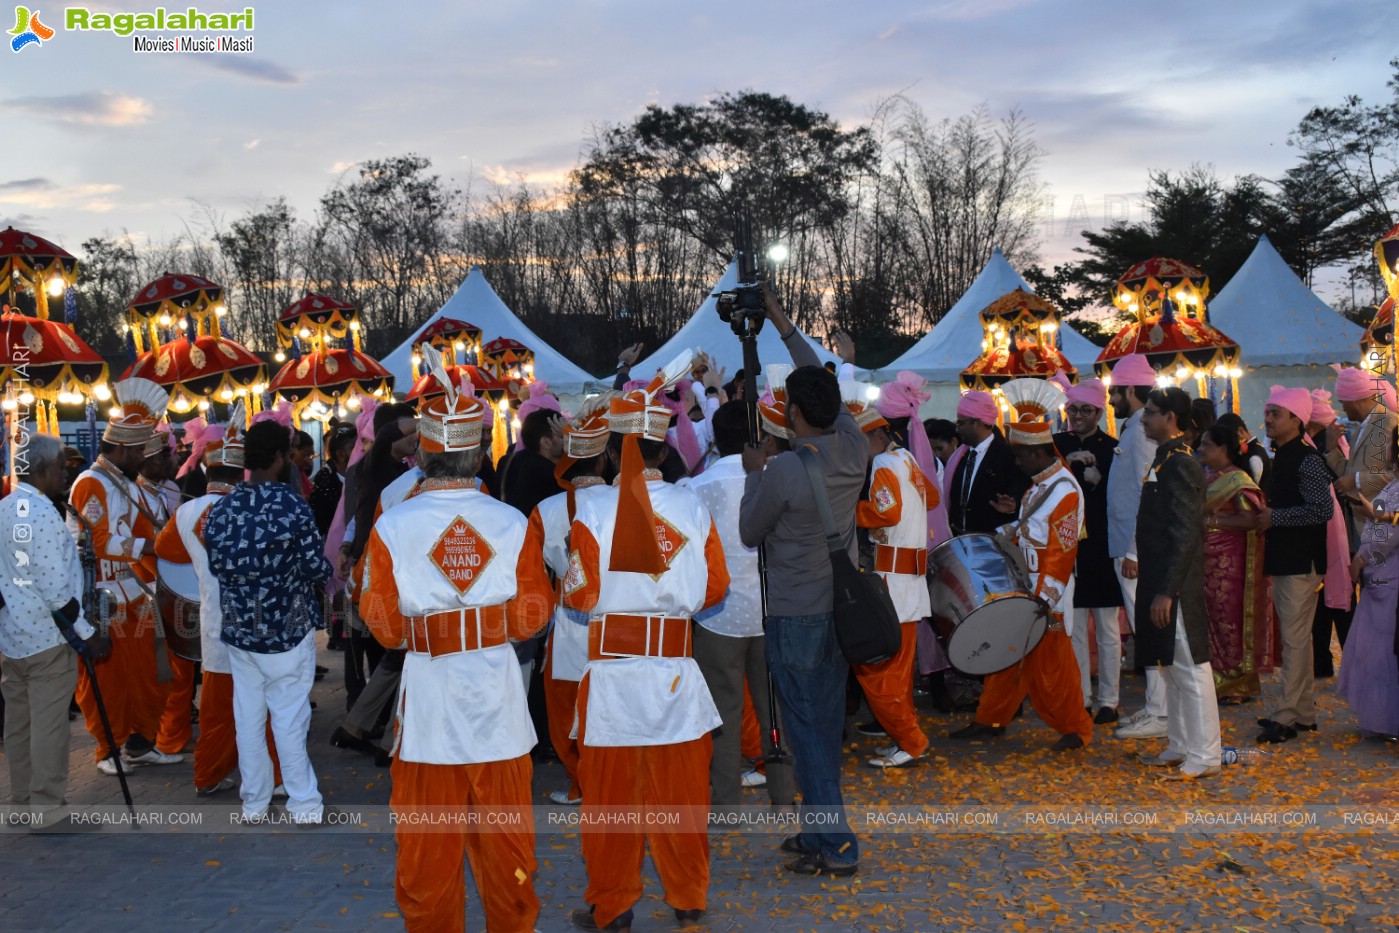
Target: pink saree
{"type": "Point", "coordinates": [1242, 641]}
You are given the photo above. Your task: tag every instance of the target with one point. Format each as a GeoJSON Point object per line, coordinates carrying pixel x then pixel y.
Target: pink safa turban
{"type": "Point", "coordinates": [1322, 412]}
{"type": "Point", "coordinates": [978, 405]}
{"type": "Point", "coordinates": [1133, 370]}
{"type": "Point", "coordinates": [1353, 385]}
{"type": "Point", "coordinates": [1089, 392]}
{"type": "Point", "coordinates": [1061, 379]}
{"type": "Point", "coordinates": [1297, 401]}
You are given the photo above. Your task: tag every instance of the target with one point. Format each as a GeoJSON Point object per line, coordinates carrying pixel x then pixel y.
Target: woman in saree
{"type": "Point", "coordinates": [1369, 678]}
{"type": "Point", "coordinates": [1242, 645]}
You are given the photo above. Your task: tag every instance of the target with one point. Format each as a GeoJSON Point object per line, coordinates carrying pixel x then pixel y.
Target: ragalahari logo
{"type": "Point", "coordinates": [28, 30]}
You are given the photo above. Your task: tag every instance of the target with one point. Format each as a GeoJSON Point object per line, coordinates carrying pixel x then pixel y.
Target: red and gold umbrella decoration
{"type": "Point", "coordinates": [508, 360]}
{"type": "Point", "coordinates": [1171, 326]}
{"type": "Point", "coordinates": [319, 374]}
{"type": "Point", "coordinates": [159, 309]}
{"type": "Point", "coordinates": [30, 261]}
{"type": "Point", "coordinates": [315, 318]}
{"type": "Point", "coordinates": [44, 363]}
{"type": "Point", "coordinates": [427, 387]}
{"type": "Point", "coordinates": [174, 324]}
{"type": "Point", "coordinates": [452, 337]}
{"type": "Point", "coordinates": [327, 376]}
{"type": "Point", "coordinates": [1019, 340]}
{"type": "Point", "coordinates": [209, 369]}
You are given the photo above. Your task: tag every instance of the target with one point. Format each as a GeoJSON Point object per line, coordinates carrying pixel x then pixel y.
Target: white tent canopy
{"type": "Point", "coordinates": [477, 303]}
{"type": "Point", "coordinates": [704, 331]}
{"type": "Point", "coordinates": [955, 341]}
{"type": "Point", "coordinates": [1278, 321]}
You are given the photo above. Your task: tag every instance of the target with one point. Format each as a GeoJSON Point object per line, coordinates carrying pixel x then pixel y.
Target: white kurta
{"type": "Point", "coordinates": [909, 591]}
{"type": "Point", "coordinates": [649, 701]}
{"type": "Point", "coordinates": [469, 707]}
{"type": "Point", "coordinates": [569, 643]}
{"type": "Point", "coordinates": [189, 522]}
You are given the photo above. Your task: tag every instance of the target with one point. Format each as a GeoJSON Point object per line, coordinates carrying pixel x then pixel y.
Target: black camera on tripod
{"type": "Point", "coordinates": [741, 307]}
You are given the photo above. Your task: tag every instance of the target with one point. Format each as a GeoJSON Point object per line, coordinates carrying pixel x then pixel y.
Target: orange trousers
{"type": "Point", "coordinates": [1050, 678]}
{"type": "Point", "coordinates": [176, 730]}
{"type": "Point", "coordinates": [216, 754]}
{"type": "Point", "coordinates": [430, 882]}
{"type": "Point", "coordinates": [888, 688]}
{"type": "Point", "coordinates": [642, 779]}
{"type": "Point", "coordinates": [134, 698]}
{"type": "Point", "coordinates": [560, 698]}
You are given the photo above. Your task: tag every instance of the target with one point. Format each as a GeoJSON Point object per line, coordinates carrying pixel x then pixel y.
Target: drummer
{"type": "Point", "coordinates": [1047, 533]}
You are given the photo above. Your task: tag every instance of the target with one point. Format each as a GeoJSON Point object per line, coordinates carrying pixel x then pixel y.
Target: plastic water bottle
{"type": "Point", "coordinates": [1233, 755]}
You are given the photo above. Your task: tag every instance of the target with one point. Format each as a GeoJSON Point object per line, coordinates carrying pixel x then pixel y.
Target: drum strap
{"type": "Point", "coordinates": [1008, 545]}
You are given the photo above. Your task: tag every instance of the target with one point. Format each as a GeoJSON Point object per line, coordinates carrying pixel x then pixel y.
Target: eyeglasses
{"type": "Point", "coordinates": [1082, 410]}
{"type": "Point", "coordinates": [1153, 412]}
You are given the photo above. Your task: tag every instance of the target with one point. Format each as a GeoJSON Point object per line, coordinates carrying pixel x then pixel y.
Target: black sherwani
{"type": "Point", "coordinates": [1095, 582]}
{"type": "Point", "coordinates": [1171, 554]}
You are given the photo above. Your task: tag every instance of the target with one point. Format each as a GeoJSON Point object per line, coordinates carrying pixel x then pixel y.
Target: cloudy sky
{"type": "Point", "coordinates": [102, 139]}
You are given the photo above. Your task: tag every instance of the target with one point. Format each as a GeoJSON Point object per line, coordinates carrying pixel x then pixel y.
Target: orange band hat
{"type": "Point", "coordinates": [584, 438]}
{"type": "Point", "coordinates": [451, 422]}
{"type": "Point", "coordinates": [1030, 434]}
{"type": "Point", "coordinates": [772, 407]}
{"type": "Point", "coordinates": [143, 404]}
{"type": "Point", "coordinates": [866, 415]}
{"type": "Point", "coordinates": [224, 447]}
{"type": "Point", "coordinates": [635, 415]}
{"type": "Point", "coordinates": [162, 439]}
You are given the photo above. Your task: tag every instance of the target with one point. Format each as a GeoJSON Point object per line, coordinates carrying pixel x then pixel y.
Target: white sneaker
{"type": "Point", "coordinates": [561, 798]}
{"type": "Point", "coordinates": [753, 778]}
{"type": "Point", "coordinates": [1139, 716]}
{"type": "Point", "coordinates": [885, 751]}
{"type": "Point", "coordinates": [1148, 727]}
{"type": "Point", "coordinates": [228, 783]}
{"type": "Point", "coordinates": [110, 766]}
{"type": "Point", "coordinates": [280, 791]}
{"type": "Point", "coordinates": [900, 759]}
{"type": "Point", "coordinates": [154, 757]}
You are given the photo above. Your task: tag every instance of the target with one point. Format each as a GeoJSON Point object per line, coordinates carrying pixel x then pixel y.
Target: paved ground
{"type": "Point", "coordinates": [1029, 873]}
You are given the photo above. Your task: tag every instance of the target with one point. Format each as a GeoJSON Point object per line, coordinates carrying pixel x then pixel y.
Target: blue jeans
{"type": "Point", "coordinates": [810, 673]}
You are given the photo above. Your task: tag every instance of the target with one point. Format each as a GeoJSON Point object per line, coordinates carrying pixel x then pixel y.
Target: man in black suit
{"type": "Point", "coordinates": [984, 471]}
{"type": "Point", "coordinates": [330, 480]}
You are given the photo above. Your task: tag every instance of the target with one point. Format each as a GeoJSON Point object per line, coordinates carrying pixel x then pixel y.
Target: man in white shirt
{"type": "Point", "coordinates": [728, 639]}
{"type": "Point", "coordinates": [39, 574]}
{"type": "Point", "coordinates": [1132, 381]}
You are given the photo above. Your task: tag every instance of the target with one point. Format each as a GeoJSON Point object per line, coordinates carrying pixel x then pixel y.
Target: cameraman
{"type": "Point", "coordinates": [779, 511]}
{"type": "Point", "coordinates": [39, 574]}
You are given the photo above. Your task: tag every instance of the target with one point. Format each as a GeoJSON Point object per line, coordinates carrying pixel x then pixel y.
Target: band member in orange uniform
{"type": "Point", "coordinates": [108, 503]}
{"type": "Point", "coordinates": [1047, 533]}
{"type": "Point", "coordinates": [450, 579]}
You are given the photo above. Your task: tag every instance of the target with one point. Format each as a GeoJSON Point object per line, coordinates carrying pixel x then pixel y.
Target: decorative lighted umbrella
{"type": "Point", "coordinates": [1171, 326]}
{"type": "Point", "coordinates": [27, 260]}
{"type": "Point", "coordinates": [161, 306]}
{"type": "Point", "coordinates": [326, 376]}
{"type": "Point", "coordinates": [427, 387]}
{"type": "Point", "coordinates": [209, 369]}
{"type": "Point", "coordinates": [1377, 345]}
{"type": "Point", "coordinates": [1387, 254]}
{"type": "Point", "coordinates": [316, 317]}
{"type": "Point", "coordinates": [43, 363]}
{"type": "Point", "coordinates": [452, 337]}
{"type": "Point", "coordinates": [508, 360]}
{"type": "Point", "coordinates": [1019, 339]}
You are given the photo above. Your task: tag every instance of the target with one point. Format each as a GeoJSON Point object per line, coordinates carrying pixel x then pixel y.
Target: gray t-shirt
{"type": "Point", "coordinates": [779, 510]}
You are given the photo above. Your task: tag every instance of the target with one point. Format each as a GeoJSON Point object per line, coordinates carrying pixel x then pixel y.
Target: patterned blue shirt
{"type": "Point", "coordinates": [269, 559]}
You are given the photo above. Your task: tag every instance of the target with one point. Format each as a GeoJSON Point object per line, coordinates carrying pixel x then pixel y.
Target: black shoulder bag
{"type": "Point", "coordinates": [867, 627]}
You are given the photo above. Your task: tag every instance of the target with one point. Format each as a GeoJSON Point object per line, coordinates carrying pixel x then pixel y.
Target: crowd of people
{"type": "Point", "coordinates": [598, 596]}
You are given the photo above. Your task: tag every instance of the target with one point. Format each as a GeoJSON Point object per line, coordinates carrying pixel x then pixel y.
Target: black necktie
{"type": "Point", "coordinates": [966, 492]}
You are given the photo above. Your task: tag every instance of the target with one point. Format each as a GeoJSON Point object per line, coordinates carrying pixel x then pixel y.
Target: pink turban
{"type": "Point", "coordinates": [1089, 392]}
{"type": "Point", "coordinates": [1061, 379]}
{"type": "Point", "coordinates": [1133, 370]}
{"type": "Point", "coordinates": [1297, 401]}
{"type": "Point", "coordinates": [280, 413]}
{"type": "Point", "coordinates": [978, 405]}
{"type": "Point", "coordinates": [539, 398]}
{"type": "Point", "coordinates": [199, 435]}
{"type": "Point", "coordinates": [1322, 412]}
{"type": "Point", "coordinates": [1353, 385]}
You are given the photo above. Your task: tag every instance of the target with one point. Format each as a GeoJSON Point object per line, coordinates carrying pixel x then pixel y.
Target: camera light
{"type": "Point", "coordinates": [778, 253]}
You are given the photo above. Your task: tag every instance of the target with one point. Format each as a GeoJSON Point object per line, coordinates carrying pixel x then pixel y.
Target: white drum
{"type": "Point", "coordinates": [981, 604]}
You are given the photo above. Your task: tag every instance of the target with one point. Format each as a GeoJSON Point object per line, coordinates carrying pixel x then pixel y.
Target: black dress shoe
{"type": "Point", "coordinates": [321, 672]}
{"type": "Point", "coordinates": [816, 864]}
{"type": "Point", "coordinates": [687, 917]}
{"type": "Point", "coordinates": [342, 739]}
{"type": "Point", "coordinates": [1106, 714]}
{"type": "Point", "coordinates": [382, 759]}
{"type": "Point", "coordinates": [873, 729]}
{"type": "Point", "coordinates": [583, 919]}
{"type": "Point", "coordinates": [1275, 733]}
{"type": "Point", "coordinates": [977, 730]}
{"type": "Point", "coordinates": [793, 844]}
{"type": "Point", "coordinates": [1069, 740]}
